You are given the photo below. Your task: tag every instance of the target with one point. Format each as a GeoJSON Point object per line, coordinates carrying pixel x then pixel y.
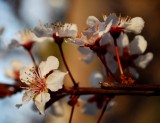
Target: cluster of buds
{"type": "Point", "coordinates": [107, 40]}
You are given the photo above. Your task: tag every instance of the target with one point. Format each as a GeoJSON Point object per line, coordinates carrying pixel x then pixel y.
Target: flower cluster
{"type": "Point", "coordinates": [107, 40]}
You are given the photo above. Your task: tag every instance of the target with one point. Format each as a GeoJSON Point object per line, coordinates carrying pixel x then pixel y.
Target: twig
{"type": "Point", "coordinates": [102, 113]}
{"type": "Point", "coordinates": [71, 115]}
{"type": "Point", "coordinates": [65, 63]}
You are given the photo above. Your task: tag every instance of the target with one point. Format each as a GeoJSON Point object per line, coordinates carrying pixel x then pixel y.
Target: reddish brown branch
{"type": "Point", "coordinates": [113, 91]}
{"type": "Point", "coordinates": [130, 87]}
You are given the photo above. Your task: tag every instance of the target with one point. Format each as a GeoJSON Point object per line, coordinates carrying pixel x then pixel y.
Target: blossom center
{"type": "Point", "coordinates": [116, 31]}
{"type": "Point", "coordinates": [35, 82]}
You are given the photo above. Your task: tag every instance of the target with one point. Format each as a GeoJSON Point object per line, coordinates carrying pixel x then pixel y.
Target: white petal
{"type": "Point", "coordinates": [88, 58]}
{"type": "Point", "coordinates": [40, 101]}
{"type": "Point", "coordinates": [55, 80]}
{"type": "Point", "coordinates": [82, 40]}
{"type": "Point", "coordinates": [108, 27]}
{"type": "Point", "coordinates": [16, 65]}
{"type": "Point", "coordinates": [73, 31]}
{"type": "Point", "coordinates": [50, 64]}
{"type": "Point", "coordinates": [138, 45]}
{"type": "Point", "coordinates": [106, 39]}
{"type": "Point", "coordinates": [123, 40]}
{"type": "Point", "coordinates": [42, 30]}
{"type": "Point", "coordinates": [96, 78]}
{"type": "Point", "coordinates": [94, 37]}
{"type": "Point", "coordinates": [44, 39]}
{"type": "Point", "coordinates": [110, 105]}
{"type": "Point", "coordinates": [89, 108]}
{"type": "Point", "coordinates": [14, 43]}
{"type": "Point", "coordinates": [26, 74]}
{"type": "Point", "coordinates": [136, 25]}
{"type": "Point", "coordinates": [112, 64]}
{"type": "Point", "coordinates": [87, 33]}
{"type": "Point", "coordinates": [76, 41]}
{"type": "Point", "coordinates": [27, 96]}
{"type": "Point", "coordinates": [84, 50]}
{"type": "Point", "coordinates": [69, 30]}
{"type": "Point", "coordinates": [57, 108]}
{"type": "Point", "coordinates": [9, 73]}
{"type": "Point", "coordinates": [143, 60]}
{"type": "Point", "coordinates": [92, 21]}
{"type": "Point", "coordinates": [113, 18]}
{"type": "Point", "coordinates": [134, 72]}
{"type": "Point", "coordinates": [101, 27]}
{"type": "Point", "coordinates": [34, 38]}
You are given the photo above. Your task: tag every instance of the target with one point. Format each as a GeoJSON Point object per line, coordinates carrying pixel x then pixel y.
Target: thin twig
{"type": "Point", "coordinates": [107, 69]}
{"type": "Point", "coordinates": [71, 115]}
{"type": "Point", "coordinates": [33, 60]}
{"type": "Point", "coordinates": [65, 63]}
{"type": "Point", "coordinates": [102, 113]}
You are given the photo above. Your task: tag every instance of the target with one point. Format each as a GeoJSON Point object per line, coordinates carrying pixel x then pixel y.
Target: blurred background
{"type": "Point", "coordinates": [16, 15]}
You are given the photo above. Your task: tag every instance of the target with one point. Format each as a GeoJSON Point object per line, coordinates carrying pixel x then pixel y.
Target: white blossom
{"type": "Point", "coordinates": [38, 83]}
{"type": "Point", "coordinates": [66, 30]}
{"type": "Point", "coordinates": [27, 37]}
{"type": "Point", "coordinates": [128, 24]}
{"type": "Point", "coordinates": [13, 73]}
{"type": "Point", "coordinates": [133, 53]}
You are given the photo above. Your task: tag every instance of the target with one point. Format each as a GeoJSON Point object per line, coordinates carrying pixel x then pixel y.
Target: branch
{"type": "Point", "coordinates": [153, 91]}
{"type": "Point", "coordinates": [109, 90]}
{"type": "Point", "coordinates": [107, 86]}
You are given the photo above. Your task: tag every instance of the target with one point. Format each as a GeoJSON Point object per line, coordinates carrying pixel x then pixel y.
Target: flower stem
{"type": "Point", "coordinates": [118, 58]}
{"type": "Point", "coordinates": [106, 67]}
{"type": "Point", "coordinates": [65, 63]}
{"type": "Point", "coordinates": [33, 60]}
{"type": "Point", "coordinates": [71, 115]}
{"type": "Point", "coordinates": [102, 113]}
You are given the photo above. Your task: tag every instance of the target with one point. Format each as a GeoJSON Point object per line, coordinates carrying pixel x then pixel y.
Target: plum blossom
{"type": "Point", "coordinates": [26, 39]}
{"type": "Point", "coordinates": [94, 39]}
{"type": "Point", "coordinates": [14, 73]}
{"type": "Point", "coordinates": [93, 33]}
{"type": "Point", "coordinates": [102, 46]}
{"type": "Point", "coordinates": [57, 30]}
{"type": "Point", "coordinates": [40, 80]}
{"type": "Point", "coordinates": [126, 24]}
{"type": "Point", "coordinates": [57, 108]}
{"type": "Point", "coordinates": [131, 54]}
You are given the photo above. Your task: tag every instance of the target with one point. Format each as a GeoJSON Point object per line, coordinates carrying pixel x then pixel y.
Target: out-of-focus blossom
{"type": "Point", "coordinates": [39, 80]}
{"type": "Point", "coordinates": [27, 38]}
{"type": "Point", "coordinates": [57, 30]}
{"type": "Point", "coordinates": [94, 102]}
{"type": "Point", "coordinates": [14, 73]}
{"type": "Point", "coordinates": [95, 78]}
{"type": "Point", "coordinates": [131, 54]}
{"type": "Point", "coordinates": [57, 108]}
{"type": "Point", "coordinates": [91, 108]}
